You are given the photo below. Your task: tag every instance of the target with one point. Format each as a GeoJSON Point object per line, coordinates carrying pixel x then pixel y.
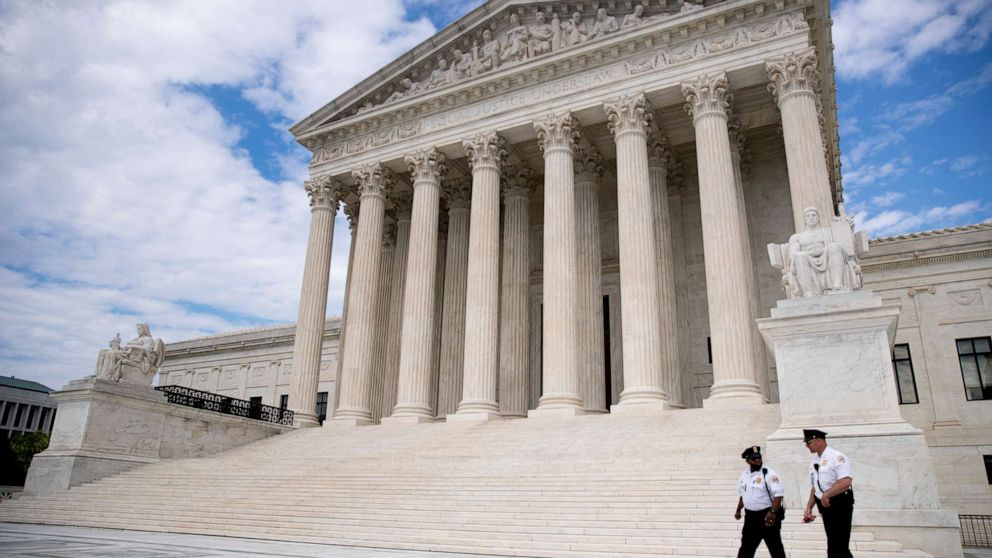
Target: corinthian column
{"type": "Point", "coordinates": [591, 360]}
{"type": "Point", "coordinates": [413, 400]}
{"type": "Point", "coordinates": [514, 353]}
{"type": "Point", "coordinates": [556, 136]}
{"type": "Point", "coordinates": [356, 373]}
{"type": "Point", "coordinates": [449, 389]}
{"type": "Point", "coordinates": [351, 213]}
{"type": "Point", "coordinates": [660, 156]}
{"type": "Point", "coordinates": [793, 83]}
{"type": "Point", "coordinates": [381, 319]}
{"type": "Point", "coordinates": [641, 328]}
{"type": "Point", "coordinates": [402, 204]}
{"type": "Point", "coordinates": [485, 154]}
{"type": "Point", "coordinates": [325, 194]}
{"type": "Point", "coordinates": [724, 249]}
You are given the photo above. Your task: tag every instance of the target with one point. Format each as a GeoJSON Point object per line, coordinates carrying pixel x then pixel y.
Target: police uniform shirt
{"type": "Point", "coordinates": [833, 465]}
{"type": "Point", "coordinates": [751, 488]}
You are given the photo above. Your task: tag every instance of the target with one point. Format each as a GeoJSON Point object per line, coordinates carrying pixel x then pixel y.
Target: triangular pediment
{"type": "Point", "coordinates": [495, 36]}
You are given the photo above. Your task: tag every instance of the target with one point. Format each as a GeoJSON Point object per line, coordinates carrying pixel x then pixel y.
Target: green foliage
{"type": "Point", "coordinates": [25, 445]}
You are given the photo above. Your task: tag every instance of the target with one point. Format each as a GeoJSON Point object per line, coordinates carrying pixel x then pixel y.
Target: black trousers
{"type": "Point", "coordinates": [755, 531]}
{"type": "Point", "coordinates": [837, 524]}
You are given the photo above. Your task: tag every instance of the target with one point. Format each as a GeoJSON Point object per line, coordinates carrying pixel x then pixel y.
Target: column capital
{"type": "Point", "coordinates": [402, 201]}
{"type": "Point", "coordinates": [389, 236]}
{"type": "Point", "coordinates": [325, 192]}
{"type": "Point", "coordinates": [793, 73]}
{"type": "Point", "coordinates": [373, 179]}
{"type": "Point", "coordinates": [707, 95]}
{"type": "Point", "coordinates": [458, 192]}
{"type": "Point", "coordinates": [351, 212]}
{"type": "Point", "coordinates": [925, 289]}
{"type": "Point", "coordinates": [485, 149]}
{"type": "Point", "coordinates": [427, 165]}
{"type": "Point", "coordinates": [589, 165]}
{"type": "Point", "coordinates": [628, 114]}
{"type": "Point", "coordinates": [557, 131]}
{"type": "Point", "coordinates": [660, 153]}
{"type": "Point", "coordinates": [518, 182]}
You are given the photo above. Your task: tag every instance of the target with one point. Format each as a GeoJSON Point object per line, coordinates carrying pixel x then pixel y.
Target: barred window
{"type": "Point", "coordinates": [902, 362]}
{"type": "Point", "coordinates": [322, 406]}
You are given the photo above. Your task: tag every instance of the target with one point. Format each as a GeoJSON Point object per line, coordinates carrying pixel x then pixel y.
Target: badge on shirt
{"type": "Point", "coordinates": [757, 480]}
{"type": "Point", "coordinates": [825, 463]}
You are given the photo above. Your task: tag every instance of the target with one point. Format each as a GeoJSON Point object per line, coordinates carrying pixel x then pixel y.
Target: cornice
{"type": "Point", "coordinates": [930, 234]}
{"type": "Point", "coordinates": [926, 260]}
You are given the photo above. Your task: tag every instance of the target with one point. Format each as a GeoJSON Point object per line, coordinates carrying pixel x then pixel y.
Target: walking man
{"type": "Point", "coordinates": [831, 491]}
{"type": "Point", "coordinates": [761, 493]}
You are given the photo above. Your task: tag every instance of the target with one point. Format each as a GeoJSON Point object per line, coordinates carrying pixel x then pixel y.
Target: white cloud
{"type": "Point", "coordinates": [869, 174]}
{"type": "Point", "coordinates": [887, 199]}
{"type": "Point", "coordinates": [125, 196]}
{"type": "Point", "coordinates": [896, 221]}
{"type": "Point", "coordinates": [874, 37]}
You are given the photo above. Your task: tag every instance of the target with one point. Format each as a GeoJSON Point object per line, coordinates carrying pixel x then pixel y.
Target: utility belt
{"type": "Point", "coordinates": [780, 514]}
{"type": "Point", "coordinates": [843, 498]}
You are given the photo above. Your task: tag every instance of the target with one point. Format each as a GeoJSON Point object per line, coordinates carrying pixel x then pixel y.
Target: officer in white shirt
{"type": "Point", "coordinates": [761, 492]}
{"type": "Point", "coordinates": [831, 491]}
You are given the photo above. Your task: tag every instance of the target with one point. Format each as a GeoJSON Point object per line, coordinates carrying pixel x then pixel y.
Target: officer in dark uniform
{"type": "Point", "coordinates": [761, 492]}
{"type": "Point", "coordinates": [832, 492]}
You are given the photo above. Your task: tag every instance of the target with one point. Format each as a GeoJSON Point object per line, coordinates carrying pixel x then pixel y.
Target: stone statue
{"type": "Point", "coordinates": [634, 19]}
{"type": "Point", "coordinates": [541, 34]}
{"type": "Point", "coordinates": [136, 363]}
{"type": "Point", "coordinates": [463, 65]}
{"type": "Point", "coordinates": [690, 6]}
{"type": "Point", "coordinates": [820, 260]}
{"type": "Point", "coordinates": [604, 25]}
{"type": "Point", "coordinates": [573, 31]}
{"type": "Point", "coordinates": [487, 55]}
{"type": "Point", "coordinates": [440, 77]}
{"type": "Point", "coordinates": [409, 88]}
{"type": "Point", "coordinates": [514, 48]}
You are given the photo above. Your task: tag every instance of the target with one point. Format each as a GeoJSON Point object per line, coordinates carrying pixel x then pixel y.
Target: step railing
{"type": "Point", "coordinates": [207, 401]}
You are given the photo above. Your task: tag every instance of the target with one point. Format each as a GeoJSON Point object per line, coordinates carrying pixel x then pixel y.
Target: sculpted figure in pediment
{"type": "Point", "coordinates": [574, 31]}
{"type": "Point", "coordinates": [408, 87]}
{"type": "Point", "coordinates": [463, 65]}
{"type": "Point", "coordinates": [541, 34]}
{"type": "Point", "coordinates": [604, 25]}
{"type": "Point", "coordinates": [690, 6]}
{"type": "Point", "coordinates": [487, 55]}
{"type": "Point", "coordinates": [441, 76]}
{"type": "Point", "coordinates": [514, 48]}
{"type": "Point", "coordinates": [634, 19]}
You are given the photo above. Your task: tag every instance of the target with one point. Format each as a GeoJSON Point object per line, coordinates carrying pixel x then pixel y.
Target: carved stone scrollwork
{"type": "Point", "coordinates": [402, 201]}
{"type": "Point", "coordinates": [794, 73]}
{"type": "Point", "coordinates": [324, 192]}
{"type": "Point", "coordinates": [458, 192]}
{"type": "Point", "coordinates": [427, 165]}
{"type": "Point", "coordinates": [518, 181]}
{"type": "Point", "coordinates": [556, 131]}
{"type": "Point", "coordinates": [738, 145]}
{"type": "Point", "coordinates": [485, 149]}
{"type": "Point", "coordinates": [373, 179]}
{"type": "Point", "coordinates": [589, 166]}
{"type": "Point", "coordinates": [351, 213]}
{"type": "Point", "coordinates": [389, 231]}
{"type": "Point", "coordinates": [660, 152]}
{"type": "Point", "coordinates": [707, 95]}
{"type": "Point", "coordinates": [628, 114]}
{"type": "Point", "coordinates": [925, 289]}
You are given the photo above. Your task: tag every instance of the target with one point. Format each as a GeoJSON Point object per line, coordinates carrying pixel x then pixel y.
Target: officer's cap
{"type": "Point", "coordinates": [753, 452]}
{"type": "Point", "coordinates": [813, 434]}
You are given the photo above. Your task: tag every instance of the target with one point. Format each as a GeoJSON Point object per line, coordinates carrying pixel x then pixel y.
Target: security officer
{"type": "Point", "coordinates": [832, 492]}
{"type": "Point", "coordinates": [761, 493]}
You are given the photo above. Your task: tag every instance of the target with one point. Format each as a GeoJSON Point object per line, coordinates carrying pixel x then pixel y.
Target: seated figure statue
{"type": "Point", "coordinates": [137, 362]}
{"type": "Point", "coordinates": [821, 259]}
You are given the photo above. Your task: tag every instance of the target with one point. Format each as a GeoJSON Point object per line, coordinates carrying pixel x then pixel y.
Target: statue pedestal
{"type": "Point", "coordinates": [101, 428]}
{"type": "Point", "coordinates": [833, 355]}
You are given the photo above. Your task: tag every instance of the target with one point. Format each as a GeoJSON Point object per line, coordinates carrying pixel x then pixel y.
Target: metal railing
{"type": "Point", "coordinates": [207, 401]}
{"type": "Point", "coordinates": [976, 530]}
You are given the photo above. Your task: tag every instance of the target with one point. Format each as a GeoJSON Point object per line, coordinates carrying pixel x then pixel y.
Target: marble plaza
{"type": "Point", "coordinates": [596, 249]}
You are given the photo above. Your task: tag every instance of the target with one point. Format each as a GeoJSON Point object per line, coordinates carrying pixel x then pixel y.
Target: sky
{"type": "Point", "coordinates": [147, 174]}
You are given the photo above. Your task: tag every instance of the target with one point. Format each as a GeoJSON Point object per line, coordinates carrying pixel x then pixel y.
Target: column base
{"type": "Point", "coordinates": [412, 410]}
{"type": "Point", "coordinates": [347, 422]}
{"type": "Point", "coordinates": [555, 412]}
{"type": "Point", "coordinates": [636, 396]}
{"type": "Point", "coordinates": [477, 406]}
{"type": "Point", "coordinates": [303, 419]}
{"type": "Point", "coordinates": [640, 408]}
{"type": "Point", "coordinates": [473, 416]}
{"type": "Point", "coordinates": [734, 394]}
{"type": "Point", "coordinates": [406, 419]}
{"type": "Point", "coordinates": [938, 424]}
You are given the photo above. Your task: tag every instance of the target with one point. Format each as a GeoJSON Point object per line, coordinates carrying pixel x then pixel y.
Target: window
{"type": "Point", "coordinates": [284, 401]}
{"type": "Point", "coordinates": [322, 406]}
{"type": "Point", "coordinates": [709, 350]}
{"type": "Point", "coordinates": [975, 356]}
{"type": "Point", "coordinates": [902, 362]}
{"type": "Point", "coordinates": [44, 416]}
{"type": "Point", "coordinates": [255, 407]}
{"type": "Point", "coordinates": [19, 414]}
{"type": "Point", "coordinates": [33, 412]}
{"type": "Point", "coordinates": [988, 467]}
{"type": "Point", "coordinates": [7, 409]}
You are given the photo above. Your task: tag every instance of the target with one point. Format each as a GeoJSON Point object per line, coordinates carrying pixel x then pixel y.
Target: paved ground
{"type": "Point", "coordinates": [46, 541]}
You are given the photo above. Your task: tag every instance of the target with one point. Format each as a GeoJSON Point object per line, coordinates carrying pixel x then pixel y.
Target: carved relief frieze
{"type": "Point", "coordinates": [970, 297]}
{"type": "Point", "coordinates": [350, 141]}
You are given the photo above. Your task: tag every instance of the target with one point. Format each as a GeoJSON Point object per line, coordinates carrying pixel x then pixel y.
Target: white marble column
{"type": "Point", "coordinates": [793, 83]}
{"type": "Point", "coordinates": [351, 213]}
{"type": "Point", "coordinates": [659, 158]}
{"type": "Point", "coordinates": [514, 346]}
{"type": "Point", "coordinates": [325, 194]}
{"type": "Point", "coordinates": [402, 201]}
{"type": "Point", "coordinates": [485, 154]}
{"type": "Point", "coordinates": [442, 250]}
{"type": "Point", "coordinates": [724, 250]}
{"type": "Point", "coordinates": [449, 391]}
{"type": "Point", "coordinates": [386, 256]}
{"type": "Point", "coordinates": [356, 374]}
{"type": "Point", "coordinates": [556, 136]}
{"type": "Point", "coordinates": [629, 118]}
{"type": "Point", "coordinates": [589, 171]}
{"type": "Point", "coordinates": [427, 168]}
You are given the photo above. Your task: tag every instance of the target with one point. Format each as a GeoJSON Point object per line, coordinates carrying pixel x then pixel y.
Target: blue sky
{"type": "Point", "coordinates": [147, 173]}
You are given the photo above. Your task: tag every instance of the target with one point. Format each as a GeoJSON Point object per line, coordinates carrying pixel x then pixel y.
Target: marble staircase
{"type": "Point", "coordinates": [593, 486]}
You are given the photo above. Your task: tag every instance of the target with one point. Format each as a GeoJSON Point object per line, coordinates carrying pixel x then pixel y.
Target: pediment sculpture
{"type": "Point", "coordinates": [822, 259]}
{"type": "Point", "coordinates": [135, 363]}
{"type": "Point", "coordinates": [518, 43]}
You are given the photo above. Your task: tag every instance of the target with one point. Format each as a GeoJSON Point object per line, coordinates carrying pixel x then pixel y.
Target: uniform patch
{"type": "Point", "coordinates": [774, 479]}
{"type": "Point", "coordinates": [840, 459]}
{"type": "Point", "coordinates": [825, 463]}
{"type": "Point", "coordinates": [757, 480]}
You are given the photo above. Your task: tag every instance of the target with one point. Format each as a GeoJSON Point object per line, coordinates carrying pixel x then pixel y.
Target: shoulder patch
{"type": "Point", "coordinates": [840, 459]}
{"type": "Point", "coordinates": [774, 478]}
